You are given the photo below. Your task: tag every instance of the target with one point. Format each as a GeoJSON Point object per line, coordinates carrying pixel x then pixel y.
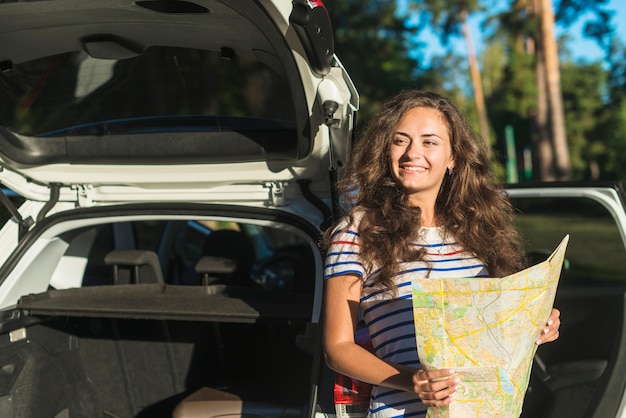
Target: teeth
{"type": "Point", "coordinates": [418, 169]}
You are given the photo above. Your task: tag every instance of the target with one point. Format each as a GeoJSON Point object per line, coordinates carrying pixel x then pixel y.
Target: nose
{"type": "Point", "coordinates": [413, 150]}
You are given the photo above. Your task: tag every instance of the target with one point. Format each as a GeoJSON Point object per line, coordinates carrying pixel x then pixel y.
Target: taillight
{"type": "Point", "coordinates": [352, 397]}
{"type": "Point", "coordinates": [312, 24]}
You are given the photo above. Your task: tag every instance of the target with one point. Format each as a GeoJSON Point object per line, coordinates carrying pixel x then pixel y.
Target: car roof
{"type": "Point", "coordinates": [156, 95]}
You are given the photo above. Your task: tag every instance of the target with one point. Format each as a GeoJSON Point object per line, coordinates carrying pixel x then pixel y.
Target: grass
{"type": "Point", "coordinates": [595, 251]}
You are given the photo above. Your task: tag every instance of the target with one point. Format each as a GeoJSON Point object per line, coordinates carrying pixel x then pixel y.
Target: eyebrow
{"type": "Point", "coordinates": [429, 135]}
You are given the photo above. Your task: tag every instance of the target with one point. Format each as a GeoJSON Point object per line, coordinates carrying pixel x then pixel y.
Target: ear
{"type": "Point", "coordinates": [450, 168]}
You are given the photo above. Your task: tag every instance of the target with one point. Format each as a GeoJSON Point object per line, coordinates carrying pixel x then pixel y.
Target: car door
{"type": "Point", "coordinates": [583, 373]}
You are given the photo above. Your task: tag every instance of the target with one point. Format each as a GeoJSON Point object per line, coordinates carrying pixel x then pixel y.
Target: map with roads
{"type": "Point", "coordinates": [485, 329]}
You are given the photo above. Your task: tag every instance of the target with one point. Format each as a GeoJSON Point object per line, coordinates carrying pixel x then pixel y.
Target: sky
{"type": "Point", "coordinates": [582, 48]}
{"type": "Point", "coordinates": [587, 49]}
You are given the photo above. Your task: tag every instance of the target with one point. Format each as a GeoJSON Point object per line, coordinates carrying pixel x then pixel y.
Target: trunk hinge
{"type": "Point", "coordinates": [83, 195]}
{"type": "Point", "coordinates": [277, 192]}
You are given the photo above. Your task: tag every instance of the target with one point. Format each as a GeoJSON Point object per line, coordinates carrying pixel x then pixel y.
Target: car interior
{"type": "Point", "coordinates": [159, 317]}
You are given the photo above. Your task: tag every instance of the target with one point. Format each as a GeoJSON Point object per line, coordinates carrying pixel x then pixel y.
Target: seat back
{"type": "Point", "coordinates": [134, 266]}
{"type": "Point", "coordinates": [237, 253]}
{"type": "Point", "coordinates": [214, 269]}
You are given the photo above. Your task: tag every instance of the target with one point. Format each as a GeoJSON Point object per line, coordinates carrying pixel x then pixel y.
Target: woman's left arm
{"type": "Point", "coordinates": [550, 332]}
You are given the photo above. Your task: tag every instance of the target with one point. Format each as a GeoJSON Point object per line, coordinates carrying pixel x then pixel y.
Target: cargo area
{"type": "Point", "coordinates": [88, 362]}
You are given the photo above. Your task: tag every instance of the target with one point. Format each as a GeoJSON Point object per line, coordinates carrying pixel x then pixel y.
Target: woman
{"type": "Point", "coordinates": [422, 192]}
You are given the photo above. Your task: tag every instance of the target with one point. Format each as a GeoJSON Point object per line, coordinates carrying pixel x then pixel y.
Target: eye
{"type": "Point", "coordinates": [399, 140]}
{"type": "Point", "coordinates": [431, 140]}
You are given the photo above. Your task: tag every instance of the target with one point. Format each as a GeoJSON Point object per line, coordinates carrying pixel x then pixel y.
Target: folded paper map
{"type": "Point", "coordinates": [485, 329]}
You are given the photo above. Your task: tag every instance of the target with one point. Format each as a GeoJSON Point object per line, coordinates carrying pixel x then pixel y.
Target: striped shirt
{"type": "Point", "coordinates": [390, 319]}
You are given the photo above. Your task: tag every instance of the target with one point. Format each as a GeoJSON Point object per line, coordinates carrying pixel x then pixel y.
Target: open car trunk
{"type": "Point", "coordinates": [140, 350]}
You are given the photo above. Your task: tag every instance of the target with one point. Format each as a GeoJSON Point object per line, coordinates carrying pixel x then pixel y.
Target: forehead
{"type": "Point", "coordinates": [420, 118]}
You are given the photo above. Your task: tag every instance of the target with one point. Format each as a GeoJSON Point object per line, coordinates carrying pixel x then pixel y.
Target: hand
{"type": "Point", "coordinates": [551, 331]}
{"type": "Point", "coordinates": [435, 387]}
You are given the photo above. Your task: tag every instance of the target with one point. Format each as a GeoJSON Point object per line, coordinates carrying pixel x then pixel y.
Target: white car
{"type": "Point", "coordinates": [177, 161]}
{"type": "Point", "coordinates": [167, 171]}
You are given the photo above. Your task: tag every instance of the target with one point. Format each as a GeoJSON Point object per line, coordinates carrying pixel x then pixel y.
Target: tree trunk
{"type": "Point", "coordinates": [555, 97]}
{"type": "Point", "coordinates": [479, 96]}
{"type": "Point", "coordinates": [545, 155]}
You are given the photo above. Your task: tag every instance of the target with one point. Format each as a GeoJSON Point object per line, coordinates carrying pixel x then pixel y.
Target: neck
{"type": "Point", "coordinates": [427, 209]}
{"type": "Point", "coordinates": [427, 215]}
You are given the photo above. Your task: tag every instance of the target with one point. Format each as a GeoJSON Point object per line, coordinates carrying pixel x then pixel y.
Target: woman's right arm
{"type": "Point", "coordinates": [344, 355]}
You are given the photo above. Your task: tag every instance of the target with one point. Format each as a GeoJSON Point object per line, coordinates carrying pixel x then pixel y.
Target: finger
{"type": "Point", "coordinates": [551, 331]}
{"type": "Point", "coordinates": [552, 335]}
{"type": "Point", "coordinates": [438, 403]}
{"type": "Point", "coordinates": [435, 394]}
{"type": "Point", "coordinates": [555, 318]}
{"type": "Point", "coordinates": [548, 334]}
{"type": "Point", "coordinates": [434, 375]}
{"type": "Point", "coordinates": [435, 386]}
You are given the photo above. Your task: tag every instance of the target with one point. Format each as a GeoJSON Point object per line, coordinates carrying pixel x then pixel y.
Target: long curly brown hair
{"type": "Point", "coordinates": [471, 206]}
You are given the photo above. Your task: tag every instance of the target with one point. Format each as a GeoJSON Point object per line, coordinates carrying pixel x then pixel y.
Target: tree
{"type": "Point", "coordinates": [373, 42]}
{"type": "Point", "coordinates": [549, 119]}
{"type": "Point", "coordinates": [614, 128]}
{"type": "Point", "coordinates": [598, 26]}
{"type": "Point", "coordinates": [547, 51]}
{"type": "Point", "coordinates": [583, 90]}
{"type": "Point", "coordinates": [530, 24]}
{"type": "Point", "coordinates": [512, 94]}
{"type": "Point", "coordinates": [448, 18]}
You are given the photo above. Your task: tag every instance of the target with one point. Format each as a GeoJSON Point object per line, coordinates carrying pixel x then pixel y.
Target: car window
{"type": "Point", "coordinates": [595, 251]}
{"type": "Point", "coordinates": [149, 234]}
{"type": "Point", "coordinates": [266, 257]}
{"type": "Point", "coordinates": [163, 89]}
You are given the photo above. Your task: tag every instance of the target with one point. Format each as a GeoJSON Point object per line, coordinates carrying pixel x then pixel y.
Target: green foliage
{"type": "Point", "coordinates": [614, 129]}
{"type": "Point", "coordinates": [616, 143]}
{"type": "Point", "coordinates": [380, 48]}
{"type": "Point", "coordinates": [582, 99]}
{"type": "Point", "coordinates": [446, 15]}
{"type": "Point", "coordinates": [617, 78]}
{"type": "Point", "coordinates": [598, 26]}
{"type": "Point", "coordinates": [596, 116]}
{"type": "Point", "coordinates": [373, 42]}
{"type": "Point", "coordinates": [512, 101]}
{"type": "Point", "coordinates": [493, 64]}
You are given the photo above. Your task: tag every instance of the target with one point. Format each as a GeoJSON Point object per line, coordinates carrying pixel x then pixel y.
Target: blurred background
{"type": "Point", "coordinates": [542, 81]}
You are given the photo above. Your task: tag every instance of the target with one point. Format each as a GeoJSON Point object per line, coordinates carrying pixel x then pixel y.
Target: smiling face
{"type": "Point", "coordinates": [420, 154]}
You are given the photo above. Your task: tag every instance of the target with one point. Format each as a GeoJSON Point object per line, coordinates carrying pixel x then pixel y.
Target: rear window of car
{"type": "Point", "coordinates": [595, 252]}
{"type": "Point", "coordinates": [165, 89]}
{"type": "Point", "coordinates": [265, 257]}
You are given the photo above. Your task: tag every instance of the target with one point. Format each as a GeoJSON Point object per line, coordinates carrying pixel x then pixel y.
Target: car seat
{"type": "Point", "coordinates": [134, 266]}
{"type": "Point", "coordinates": [237, 254]}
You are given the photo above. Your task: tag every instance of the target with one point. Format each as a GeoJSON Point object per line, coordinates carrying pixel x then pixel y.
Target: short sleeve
{"type": "Point", "coordinates": [343, 256]}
